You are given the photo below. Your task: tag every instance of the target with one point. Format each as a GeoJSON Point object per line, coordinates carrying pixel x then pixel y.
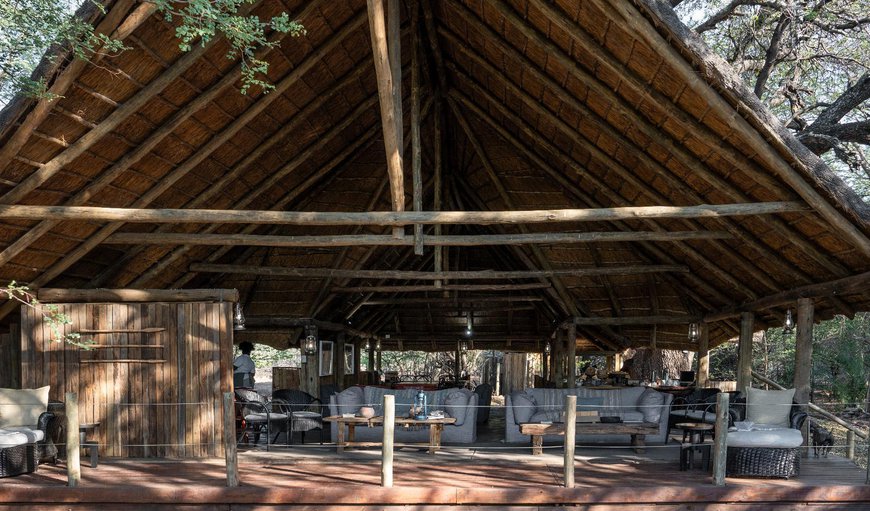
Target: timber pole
{"type": "Point", "coordinates": [720, 448]}
{"type": "Point", "coordinates": [387, 441]}
{"type": "Point", "coordinates": [571, 355]}
{"type": "Point", "coordinates": [570, 438]}
{"type": "Point", "coordinates": [744, 352]}
{"type": "Point", "coordinates": [230, 452]}
{"type": "Point", "coordinates": [703, 375]}
{"type": "Point", "coordinates": [73, 454]}
{"type": "Point", "coordinates": [803, 362]}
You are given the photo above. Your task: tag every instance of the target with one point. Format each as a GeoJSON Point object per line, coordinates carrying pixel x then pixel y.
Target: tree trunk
{"type": "Point", "coordinates": [665, 363]}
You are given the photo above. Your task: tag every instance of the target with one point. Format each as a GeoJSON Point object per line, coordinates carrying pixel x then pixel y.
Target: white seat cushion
{"type": "Point", "coordinates": [22, 407]}
{"type": "Point", "coordinates": [261, 417]}
{"type": "Point", "coordinates": [10, 437]}
{"type": "Point", "coordinates": [785, 438]}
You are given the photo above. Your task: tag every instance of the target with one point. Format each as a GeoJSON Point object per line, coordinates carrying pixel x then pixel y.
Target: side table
{"type": "Point", "coordinates": [693, 439]}
{"type": "Point", "coordinates": [88, 440]}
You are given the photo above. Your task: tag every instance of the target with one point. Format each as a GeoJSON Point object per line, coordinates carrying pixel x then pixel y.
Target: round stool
{"type": "Point", "coordinates": [693, 439]}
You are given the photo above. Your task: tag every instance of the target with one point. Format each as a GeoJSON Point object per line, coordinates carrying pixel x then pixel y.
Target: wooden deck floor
{"type": "Point", "coordinates": [455, 479]}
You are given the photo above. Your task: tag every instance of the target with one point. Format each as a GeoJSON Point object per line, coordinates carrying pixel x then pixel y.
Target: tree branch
{"type": "Point", "coordinates": [858, 93]}
{"type": "Point", "coordinates": [771, 54]}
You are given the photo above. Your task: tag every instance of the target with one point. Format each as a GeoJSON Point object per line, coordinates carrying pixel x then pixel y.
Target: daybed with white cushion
{"type": "Point", "coordinates": [767, 442]}
{"type": "Point", "coordinates": [630, 404]}
{"type": "Point", "coordinates": [24, 428]}
{"type": "Point", "coordinates": [460, 404]}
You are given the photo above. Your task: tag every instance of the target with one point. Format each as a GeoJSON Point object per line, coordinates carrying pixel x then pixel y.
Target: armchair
{"type": "Point", "coordinates": [769, 448]}
{"type": "Point", "coordinates": [258, 416]}
{"type": "Point", "coordinates": [305, 411]}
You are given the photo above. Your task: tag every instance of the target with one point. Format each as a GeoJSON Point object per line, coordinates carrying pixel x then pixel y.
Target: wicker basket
{"type": "Point", "coordinates": [763, 462]}
{"type": "Point", "coordinates": [19, 459]}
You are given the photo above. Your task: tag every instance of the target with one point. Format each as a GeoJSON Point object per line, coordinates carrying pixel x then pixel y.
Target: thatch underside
{"type": "Point", "coordinates": [535, 105]}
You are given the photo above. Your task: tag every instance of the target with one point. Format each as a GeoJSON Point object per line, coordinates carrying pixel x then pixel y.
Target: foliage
{"type": "Point", "coordinates": [29, 27]}
{"type": "Point", "coordinates": [52, 315]}
{"type": "Point", "coordinates": [808, 61]}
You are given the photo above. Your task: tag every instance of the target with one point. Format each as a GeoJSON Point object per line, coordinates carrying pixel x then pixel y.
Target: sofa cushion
{"type": "Point", "coordinates": [10, 437]}
{"type": "Point", "coordinates": [694, 416]}
{"type": "Point", "coordinates": [771, 407]}
{"type": "Point", "coordinates": [22, 407]}
{"type": "Point", "coordinates": [455, 405]}
{"type": "Point", "coordinates": [404, 399]}
{"type": "Point", "coordinates": [785, 438]}
{"type": "Point", "coordinates": [590, 404]}
{"type": "Point", "coordinates": [630, 416]}
{"type": "Point", "coordinates": [349, 400]}
{"type": "Point", "coordinates": [650, 405]}
{"type": "Point", "coordinates": [546, 416]}
{"type": "Point", "coordinates": [524, 405]}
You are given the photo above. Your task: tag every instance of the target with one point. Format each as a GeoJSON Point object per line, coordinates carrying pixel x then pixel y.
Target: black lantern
{"type": "Point", "coordinates": [309, 343]}
{"type": "Point", "coordinates": [788, 325]}
{"type": "Point", "coordinates": [238, 318]}
{"type": "Point", "coordinates": [547, 347]}
{"type": "Point", "coordinates": [694, 332]}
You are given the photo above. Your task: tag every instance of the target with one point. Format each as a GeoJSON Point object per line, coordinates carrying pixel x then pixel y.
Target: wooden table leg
{"type": "Point", "coordinates": [435, 437]}
{"type": "Point", "coordinates": [537, 445]}
{"type": "Point", "coordinates": [351, 435]}
{"type": "Point", "coordinates": [339, 438]}
{"type": "Point", "coordinates": [639, 443]}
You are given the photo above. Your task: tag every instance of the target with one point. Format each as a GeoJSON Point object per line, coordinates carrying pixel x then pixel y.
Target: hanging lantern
{"type": "Point", "coordinates": [469, 323]}
{"type": "Point", "coordinates": [368, 345]}
{"type": "Point", "coordinates": [463, 346]}
{"type": "Point", "coordinates": [547, 348]}
{"type": "Point", "coordinates": [238, 318]}
{"type": "Point", "coordinates": [788, 325]}
{"type": "Point", "coordinates": [378, 345]}
{"type": "Point", "coordinates": [309, 344]}
{"type": "Point", "coordinates": [694, 332]}
{"type": "Point", "coordinates": [421, 407]}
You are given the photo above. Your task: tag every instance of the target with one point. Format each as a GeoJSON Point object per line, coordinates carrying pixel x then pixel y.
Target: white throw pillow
{"type": "Point", "coordinates": [22, 407]}
{"type": "Point", "coordinates": [770, 407]}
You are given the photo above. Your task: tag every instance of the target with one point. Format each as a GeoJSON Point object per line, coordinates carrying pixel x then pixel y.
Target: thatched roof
{"type": "Point", "coordinates": [536, 105]}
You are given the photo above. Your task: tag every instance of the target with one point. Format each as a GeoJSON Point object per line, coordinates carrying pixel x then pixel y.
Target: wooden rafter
{"type": "Point", "coordinates": [382, 41]}
{"type": "Point", "coordinates": [638, 320]}
{"type": "Point", "coordinates": [430, 275]}
{"type": "Point", "coordinates": [450, 287]}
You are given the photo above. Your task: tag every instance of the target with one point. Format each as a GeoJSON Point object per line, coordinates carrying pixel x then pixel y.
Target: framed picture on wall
{"type": "Point", "coordinates": [325, 358]}
{"type": "Point", "coordinates": [348, 359]}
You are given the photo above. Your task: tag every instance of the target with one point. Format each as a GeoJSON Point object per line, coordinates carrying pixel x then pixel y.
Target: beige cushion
{"type": "Point", "coordinates": [22, 407]}
{"type": "Point", "coordinates": [771, 407]}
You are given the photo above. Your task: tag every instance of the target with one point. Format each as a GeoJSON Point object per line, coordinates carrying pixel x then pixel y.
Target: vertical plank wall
{"type": "Point", "coordinates": [154, 379]}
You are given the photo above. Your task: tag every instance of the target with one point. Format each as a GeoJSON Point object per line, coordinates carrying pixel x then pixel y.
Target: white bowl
{"type": "Point", "coordinates": [367, 411]}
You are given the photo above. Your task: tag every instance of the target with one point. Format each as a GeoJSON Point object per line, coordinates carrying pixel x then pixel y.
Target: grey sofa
{"type": "Point", "coordinates": [458, 403]}
{"type": "Point", "coordinates": [631, 404]}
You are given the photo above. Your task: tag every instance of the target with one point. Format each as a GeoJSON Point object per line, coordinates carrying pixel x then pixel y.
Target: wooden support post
{"type": "Point", "coordinates": [571, 354]}
{"type": "Point", "coordinates": [370, 363]}
{"type": "Point", "coordinates": [73, 454]}
{"type": "Point", "coordinates": [570, 439]}
{"type": "Point", "coordinates": [703, 376]}
{"type": "Point", "coordinates": [744, 352]}
{"type": "Point", "coordinates": [387, 442]}
{"type": "Point", "coordinates": [230, 452]}
{"type": "Point", "coordinates": [720, 448]}
{"type": "Point", "coordinates": [558, 355]}
{"type": "Point", "coordinates": [803, 361]}
{"type": "Point", "coordinates": [803, 351]}
{"type": "Point", "coordinates": [338, 359]}
{"type": "Point", "coordinates": [850, 444]}
{"type": "Point", "coordinates": [457, 362]}
{"type": "Point", "coordinates": [379, 359]}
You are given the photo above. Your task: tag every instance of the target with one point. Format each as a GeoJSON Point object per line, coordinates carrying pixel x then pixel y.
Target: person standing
{"type": "Point", "coordinates": [243, 366]}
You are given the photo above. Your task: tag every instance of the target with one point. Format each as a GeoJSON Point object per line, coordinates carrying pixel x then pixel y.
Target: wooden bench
{"type": "Point", "coordinates": [637, 430]}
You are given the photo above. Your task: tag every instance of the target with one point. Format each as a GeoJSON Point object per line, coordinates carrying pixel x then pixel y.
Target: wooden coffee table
{"type": "Point", "coordinates": [436, 426]}
{"type": "Point", "coordinates": [637, 430]}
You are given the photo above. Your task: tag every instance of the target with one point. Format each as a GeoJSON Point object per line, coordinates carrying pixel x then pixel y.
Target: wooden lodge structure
{"type": "Point", "coordinates": [581, 173]}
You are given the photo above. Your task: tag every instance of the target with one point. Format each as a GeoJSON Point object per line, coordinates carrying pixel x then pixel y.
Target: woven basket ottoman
{"type": "Point", "coordinates": [18, 459]}
{"type": "Point", "coordinates": [772, 452]}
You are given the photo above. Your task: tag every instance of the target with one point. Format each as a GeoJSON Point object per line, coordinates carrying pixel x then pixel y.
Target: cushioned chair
{"type": "Point", "coordinates": [771, 446]}
{"type": "Point", "coordinates": [484, 399]}
{"type": "Point", "coordinates": [259, 417]}
{"type": "Point", "coordinates": [305, 411]}
{"type": "Point", "coordinates": [698, 406]}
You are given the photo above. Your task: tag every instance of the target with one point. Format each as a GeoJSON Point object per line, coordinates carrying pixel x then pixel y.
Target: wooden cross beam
{"type": "Point", "coordinates": [393, 218]}
{"type": "Point", "coordinates": [638, 320]}
{"type": "Point", "coordinates": [450, 287]}
{"type": "Point", "coordinates": [278, 271]}
{"type": "Point", "coordinates": [135, 238]}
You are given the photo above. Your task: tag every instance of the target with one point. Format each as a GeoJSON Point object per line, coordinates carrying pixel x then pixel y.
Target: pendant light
{"type": "Point", "coordinates": [694, 332]}
{"type": "Point", "coordinates": [788, 324]}
{"type": "Point", "coordinates": [238, 318]}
